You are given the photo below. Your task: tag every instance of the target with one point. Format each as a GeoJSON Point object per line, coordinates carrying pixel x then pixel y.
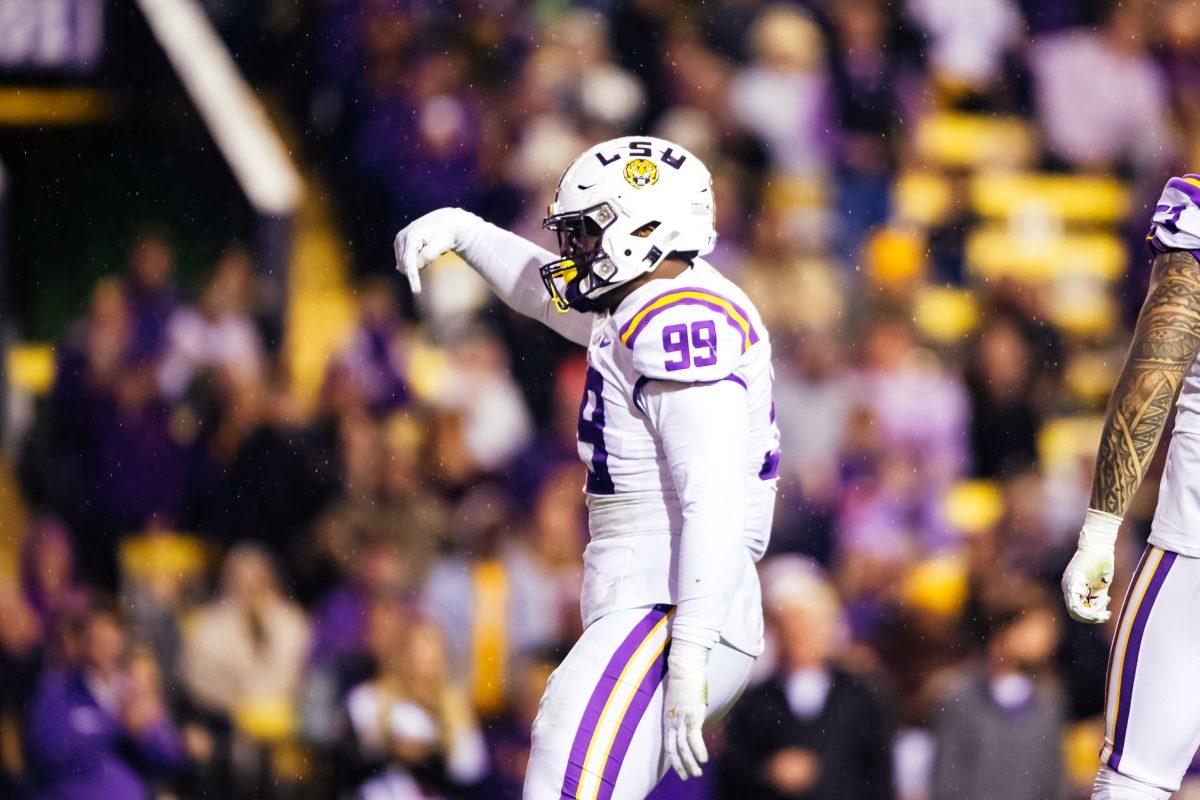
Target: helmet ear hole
{"type": "Point", "coordinates": [646, 229]}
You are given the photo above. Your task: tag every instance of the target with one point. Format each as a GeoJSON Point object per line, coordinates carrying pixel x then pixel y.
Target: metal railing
{"type": "Point", "coordinates": [238, 124]}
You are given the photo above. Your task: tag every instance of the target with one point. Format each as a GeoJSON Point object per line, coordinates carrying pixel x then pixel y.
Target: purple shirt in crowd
{"type": "Point", "coordinates": [78, 750]}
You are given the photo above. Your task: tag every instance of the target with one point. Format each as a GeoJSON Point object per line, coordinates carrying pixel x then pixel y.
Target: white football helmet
{"type": "Point", "coordinates": [638, 199]}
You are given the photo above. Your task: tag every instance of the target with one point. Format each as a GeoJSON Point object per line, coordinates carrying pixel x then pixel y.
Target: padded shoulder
{"type": "Point", "coordinates": [689, 334]}
{"type": "Point", "coordinates": [1176, 222]}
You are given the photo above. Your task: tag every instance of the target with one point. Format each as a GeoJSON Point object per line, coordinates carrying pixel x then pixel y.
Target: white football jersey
{"type": "Point", "coordinates": [1176, 525]}
{"type": "Point", "coordinates": [698, 327]}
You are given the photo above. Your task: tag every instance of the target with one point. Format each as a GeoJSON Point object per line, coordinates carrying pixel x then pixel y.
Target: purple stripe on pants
{"type": "Point", "coordinates": [1129, 665]}
{"type": "Point", "coordinates": [629, 723]}
{"type": "Point", "coordinates": [1112, 650]}
{"type": "Point", "coordinates": [604, 688]}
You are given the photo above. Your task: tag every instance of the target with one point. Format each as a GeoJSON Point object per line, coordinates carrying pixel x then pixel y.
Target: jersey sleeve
{"type": "Point", "coordinates": [1176, 221]}
{"type": "Point", "coordinates": [704, 432]}
{"type": "Point", "coordinates": [511, 266]}
{"type": "Point", "coordinates": [688, 336]}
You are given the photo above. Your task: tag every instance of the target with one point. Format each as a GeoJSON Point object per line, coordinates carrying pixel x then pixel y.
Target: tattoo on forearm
{"type": "Point", "coordinates": [1165, 342]}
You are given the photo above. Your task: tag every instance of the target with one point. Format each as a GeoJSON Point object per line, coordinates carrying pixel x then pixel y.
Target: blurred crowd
{"type": "Point", "coordinates": [226, 589]}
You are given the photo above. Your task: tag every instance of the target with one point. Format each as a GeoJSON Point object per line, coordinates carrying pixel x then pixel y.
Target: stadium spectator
{"type": "Point", "coordinates": [1120, 122]}
{"type": "Point", "coordinates": [812, 730]}
{"type": "Point", "coordinates": [517, 594]}
{"type": "Point", "coordinates": [112, 463]}
{"type": "Point", "coordinates": [1004, 420]}
{"type": "Point", "coordinates": [1180, 37]}
{"type": "Point", "coordinates": [99, 728]}
{"type": "Point", "coordinates": [999, 725]}
{"type": "Point", "coordinates": [372, 564]}
{"type": "Point", "coordinates": [555, 447]}
{"type": "Point", "coordinates": [150, 291]}
{"type": "Point", "coordinates": [278, 463]}
{"type": "Point", "coordinates": [218, 333]}
{"type": "Point", "coordinates": [488, 420]}
{"type": "Point", "coordinates": [243, 653]}
{"type": "Point", "coordinates": [373, 359]}
{"type": "Point", "coordinates": [968, 41]}
{"type": "Point", "coordinates": [412, 721]}
{"type": "Point", "coordinates": [783, 96]}
{"type": "Point", "coordinates": [49, 576]}
{"type": "Point", "coordinates": [21, 663]}
{"type": "Point", "coordinates": [508, 736]}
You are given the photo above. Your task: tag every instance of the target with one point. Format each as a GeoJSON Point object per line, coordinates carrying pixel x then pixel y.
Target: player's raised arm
{"type": "Point", "coordinates": [509, 263]}
{"type": "Point", "coordinates": [1165, 343]}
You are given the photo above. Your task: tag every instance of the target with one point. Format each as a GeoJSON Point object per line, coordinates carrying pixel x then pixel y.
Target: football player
{"type": "Point", "coordinates": [677, 431]}
{"type": "Point", "coordinates": [1152, 718]}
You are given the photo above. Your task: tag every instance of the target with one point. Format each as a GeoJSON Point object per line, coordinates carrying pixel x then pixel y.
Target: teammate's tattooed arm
{"type": "Point", "coordinates": [1165, 343]}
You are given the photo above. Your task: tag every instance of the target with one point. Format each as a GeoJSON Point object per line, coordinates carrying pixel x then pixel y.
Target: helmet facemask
{"type": "Point", "coordinates": [584, 271]}
{"type": "Point", "coordinates": [620, 209]}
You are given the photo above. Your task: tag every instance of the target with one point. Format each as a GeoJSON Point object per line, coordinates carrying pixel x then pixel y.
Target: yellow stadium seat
{"type": "Point", "coordinates": [1070, 198]}
{"type": "Point", "coordinates": [895, 256]}
{"type": "Point", "coordinates": [266, 719]}
{"type": "Point", "coordinates": [1081, 744]}
{"type": "Point", "coordinates": [1064, 441]}
{"type": "Point", "coordinates": [944, 314]}
{"type": "Point", "coordinates": [34, 106]}
{"type": "Point", "coordinates": [154, 555]}
{"type": "Point", "coordinates": [975, 140]}
{"type": "Point", "coordinates": [31, 367]}
{"type": "Point", "coordinates": [1088, 315]}
{"type": "Point", "coordinates": [428, 370]}
{"type": "Point", "coordinates": [937, 586]}
{"type": "Point", "coordinates": [789, 194]}
{"type": "Point", "coordinates": [1089, 378]}
{"type": "Point", "coordinates": [973, 507]}
{"type": "Point", "coordinates": [924, 198]}
{"type": "Point", "coordinates": [995, 251]}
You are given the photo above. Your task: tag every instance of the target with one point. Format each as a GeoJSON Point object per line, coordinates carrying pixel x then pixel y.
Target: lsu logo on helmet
{"type": "Point", "coordinates": [641, 172]}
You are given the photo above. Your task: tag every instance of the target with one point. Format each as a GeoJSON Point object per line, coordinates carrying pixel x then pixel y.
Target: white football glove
{"type": "Point", "coordinates": [424, 240]}
{"type": "Point", "coordinates": [1086, 581]}
{"type": "Point", "coordinates": [685, 705]}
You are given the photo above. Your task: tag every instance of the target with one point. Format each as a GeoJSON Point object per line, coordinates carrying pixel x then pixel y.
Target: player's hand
{"type": "Point", "coordinates": [1087, 579]}
{"type": "Point", "coordinates": [685, 705]}
{"type": "Point", "coordinates": [424, 240]}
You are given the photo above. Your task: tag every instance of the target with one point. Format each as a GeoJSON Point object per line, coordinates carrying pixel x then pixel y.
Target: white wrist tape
{"type": "Point", "coordinates": [687, 658]}
{"type": "Point", "coordinates": [1099, 530]}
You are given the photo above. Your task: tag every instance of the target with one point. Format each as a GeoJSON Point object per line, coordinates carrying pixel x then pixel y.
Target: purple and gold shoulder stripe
{"type": "Point", "coordinates": [1176, 220]}
{"type": "Point", "coordinates": [1189, 185]}
{"type": "Point", "coordinates": [734, 314]}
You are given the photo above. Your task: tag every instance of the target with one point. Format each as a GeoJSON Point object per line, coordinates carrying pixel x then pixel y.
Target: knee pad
{"type": "Point", "coordinates": [1112, 785]}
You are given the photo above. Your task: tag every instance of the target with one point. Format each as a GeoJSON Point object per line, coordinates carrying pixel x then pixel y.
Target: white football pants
{"type": "Point", "coordinates": [598, 731]}
{"type": "Point", "coordinates": [1152, 707]}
